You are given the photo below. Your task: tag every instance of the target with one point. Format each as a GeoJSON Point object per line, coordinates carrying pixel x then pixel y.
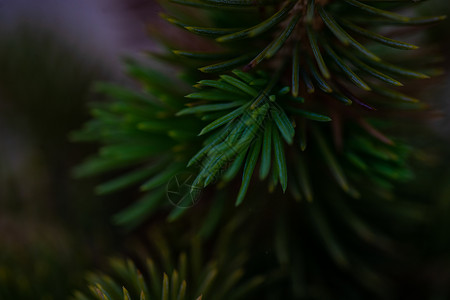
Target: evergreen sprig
{"type": "Point", "coordinates": [252, 125]}
{"type": "Point", "coordinates": [316, 36]}
{"type": "Point", "coordinates": [193, 274]}
{"type": "Point", "coordinates": [247, 119]}
{"type": "Point", "coordinates": [142, 137]}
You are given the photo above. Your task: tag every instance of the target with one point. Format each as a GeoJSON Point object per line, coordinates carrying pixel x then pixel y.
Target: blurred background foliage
{"type": "Point", "coordinates": [53, 229]}
{"type": "Point", "coordinates": [45, 84]}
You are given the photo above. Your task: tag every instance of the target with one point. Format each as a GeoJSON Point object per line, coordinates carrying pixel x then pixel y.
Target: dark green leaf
{"type": "Point", "coordinates": [249, 167]}
{"type": "Point", "coordinates": [316, 51]}
{"type": "Point", "coordinates": [280, 159]}
{"type": "Point", "coordinates": [283, 123]}
{"type": "Point", "coordinates": [266, 155]}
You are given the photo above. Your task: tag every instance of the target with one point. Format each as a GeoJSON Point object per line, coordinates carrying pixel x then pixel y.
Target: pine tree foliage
{"type": "Point", "coordinates": [294, 65]}
{"type": "Point", "coordinates": [313, 44]}
{"type": "Point", "coordinates": [142, 137]}
{"type": "Point", "coordinates": [193, 274]}
{"type": "Point", "coordinates": [134, 286]}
